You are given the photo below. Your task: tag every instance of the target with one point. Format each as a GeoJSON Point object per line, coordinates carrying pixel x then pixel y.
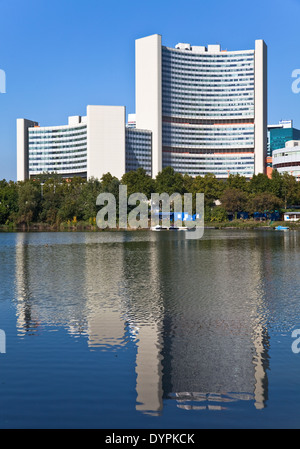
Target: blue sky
{"type": "Point", "coordinates": [61, 55]}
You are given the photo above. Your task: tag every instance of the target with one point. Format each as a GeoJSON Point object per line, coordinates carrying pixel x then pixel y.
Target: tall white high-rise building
{"type": "Point", "coordinates": [206, 107]}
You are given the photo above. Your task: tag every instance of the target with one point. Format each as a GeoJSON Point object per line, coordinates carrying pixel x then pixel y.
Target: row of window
{"type": "Point", "coordinates": [189, 55]}
{"type": "Point", "coordinates": [197, 81]}
{"type": "Point", "coordinates": [185, 137]}
{"type": "Point", "coordinates": [173, 71]}
{"type": "Point", "coordinates": [208, 72]}
{"type": "Point", "coordinates": [216, 95]}
{"type": "Point", "coordinates": [191, 89]}
{"type": "Point", "coordinates": [220, 172]}
{"type": "Point", "coordinates": [208, 159]}
{"type": "Point", "coordinates": [59, 170]}
{"type": "Point", "coordinates": [62, 146]}
{"type": "Point", "coordinates": [207, 94]}
{"type": "Point", "coordinates": [55, 167]}
{"type": "Point", "coordinates": [247, 62]}
{"type": "Point", "coordinates": [188, 112]}
{"type": "Point", "coordinates": [209, 152]}
{"type": "Point", "coordinates": [38, 130]}
{"type": "Point", "coordinates": [204, 136]}
{"type": "Point", "coordinates": [35, 136]}
{"type": "Point", "coordinates": [284, 154]}
{"type": "Point", "coordinates": [61, 157]}
{"type": "Point", "coordinates": [211, 129]}
{"type": "Point", "coordinates": [44, 143]}
{"type": "Point", "coordinates": [214, 105]}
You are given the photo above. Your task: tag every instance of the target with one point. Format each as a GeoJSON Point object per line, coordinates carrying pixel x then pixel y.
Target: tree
{"type": "Point", "coordinates": [289, 189]}
{"type": "Point", "coordinates": [187, 183]}
{"type": "Point", "coordinates": [71, 204]}
{"type": "Point", "coordinates": [137, 181]}
{"type": "Point", "coordinates": [265, 202]}
{"type": "Point", "coordinates": [218, 214]}
{"type": "Point", "coordinates": [87, 198]}
{"type": "Point", "coordinates": [29, 201]}
{"type": "Point", "coordinates": [8, 200]}
{"type": "Point", "coordinates": [168, 181]}
{"type": "Point", "coordinates": [210, 186]}
{"type": "Point", "coordinates": [238, 182]}
{"type": "Point", "coordinates": [276, 183]}
{"type": "Point", "coordinates": [234, 200]}
{"type": "Point", "coordinates": [110, 184]}
{"type": "Point", "coordinates": [260, 183]}
{"type": "Point", "coordinates": [53, 195]}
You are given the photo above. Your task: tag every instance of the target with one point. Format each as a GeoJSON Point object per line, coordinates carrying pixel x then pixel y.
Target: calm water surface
{"type": "Point", "coordinates": [150, 330]}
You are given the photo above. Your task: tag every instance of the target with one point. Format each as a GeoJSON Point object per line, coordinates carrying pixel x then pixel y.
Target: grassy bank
{"type": "Point", "coordinates": [252, 224]}
{"type": "Point", "coordinates": [87, 226]}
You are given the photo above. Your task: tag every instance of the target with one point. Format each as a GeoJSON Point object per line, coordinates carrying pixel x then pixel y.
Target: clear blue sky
{"type": "Point", "coordinates": [61, 55]}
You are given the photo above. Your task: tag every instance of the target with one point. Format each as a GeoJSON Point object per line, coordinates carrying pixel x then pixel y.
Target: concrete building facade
{"type": "Point", "coordinates": [287, 159]}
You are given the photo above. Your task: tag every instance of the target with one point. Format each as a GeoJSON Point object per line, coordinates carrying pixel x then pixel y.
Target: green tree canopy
{"type": "Point", "coordinates": [138, 182]}
{"type": "Point", "coordinates": [8, 200]}
{"type": "Point", "coordinates": [29, 201]}
{"type": "Point", "coordinates": [210, 186]}
{"type": "Point", "coordinates": [264, 202]}
{"type": "Point", "coordinates": [234, 200]}
{"type": "Point", "coordinates": [237, 182]}
{"type": "Point", "coordinates": [260, 183]}
{"type": "Point", "coordinates": [168, 181]}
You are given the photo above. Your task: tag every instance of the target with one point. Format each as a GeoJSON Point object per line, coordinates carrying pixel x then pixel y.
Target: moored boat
{"type": "Point", "coordinates": [282, 228]}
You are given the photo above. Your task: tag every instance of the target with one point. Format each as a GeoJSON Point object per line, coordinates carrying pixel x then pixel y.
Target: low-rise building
{"type": "Point", "coordinates": [287, 159]}
{"type": "Point", "coordinates": [291, 216]}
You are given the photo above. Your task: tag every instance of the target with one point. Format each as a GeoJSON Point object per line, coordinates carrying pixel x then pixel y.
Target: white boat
{"type": "Point", "coordinates": [171, 228]}
{"type": "Point", "coordinates": [158, 228]}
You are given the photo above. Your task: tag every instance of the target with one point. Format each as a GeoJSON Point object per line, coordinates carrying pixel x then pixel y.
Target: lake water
{"type": "Point", "coordinates": [149, 330]}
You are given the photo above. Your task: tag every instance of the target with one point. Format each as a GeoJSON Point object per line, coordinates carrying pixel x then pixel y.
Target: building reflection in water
{"type": "Point", "coordinates": [27, 317]}
{"type": "Point", "coordinates": [145, 310]}
{"type": "Point", "coordinates": [195, 309]}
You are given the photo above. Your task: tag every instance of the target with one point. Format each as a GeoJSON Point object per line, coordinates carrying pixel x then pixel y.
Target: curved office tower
{"type": "Point", "coordinates": [59, 149]}
{"type": "Point", "coordinates": [88, 146]}
{"type": "Point", "coordinates": [206, 108]}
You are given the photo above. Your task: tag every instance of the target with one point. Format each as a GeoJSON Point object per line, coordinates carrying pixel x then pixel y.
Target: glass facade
{"type": "Point", "coordinates": [59, 149]}
{"type": "Point", "coordinates": [223, 165]}
{"type": "Point", "coordinates": [138, 150]}
{"type": "Point", "coordinates": [277, 137]}
{"type": "Point", "coordinates": [208, 111]}
{"type": "Point", "coordinates": [63, 150]}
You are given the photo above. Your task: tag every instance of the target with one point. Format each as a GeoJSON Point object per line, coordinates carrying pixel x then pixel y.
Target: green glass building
{"type": "Point", "coordinates": [279, 134]}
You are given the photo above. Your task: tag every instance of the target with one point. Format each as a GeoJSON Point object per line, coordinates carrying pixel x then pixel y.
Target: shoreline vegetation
{"type": "Point", "coordinates": [87, 227]}
{"type": "Point", "coordinates": [52, 203]}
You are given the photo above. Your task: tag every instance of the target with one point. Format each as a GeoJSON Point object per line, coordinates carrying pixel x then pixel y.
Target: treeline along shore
{"type": "Point", "coordinates": [50, 202]}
